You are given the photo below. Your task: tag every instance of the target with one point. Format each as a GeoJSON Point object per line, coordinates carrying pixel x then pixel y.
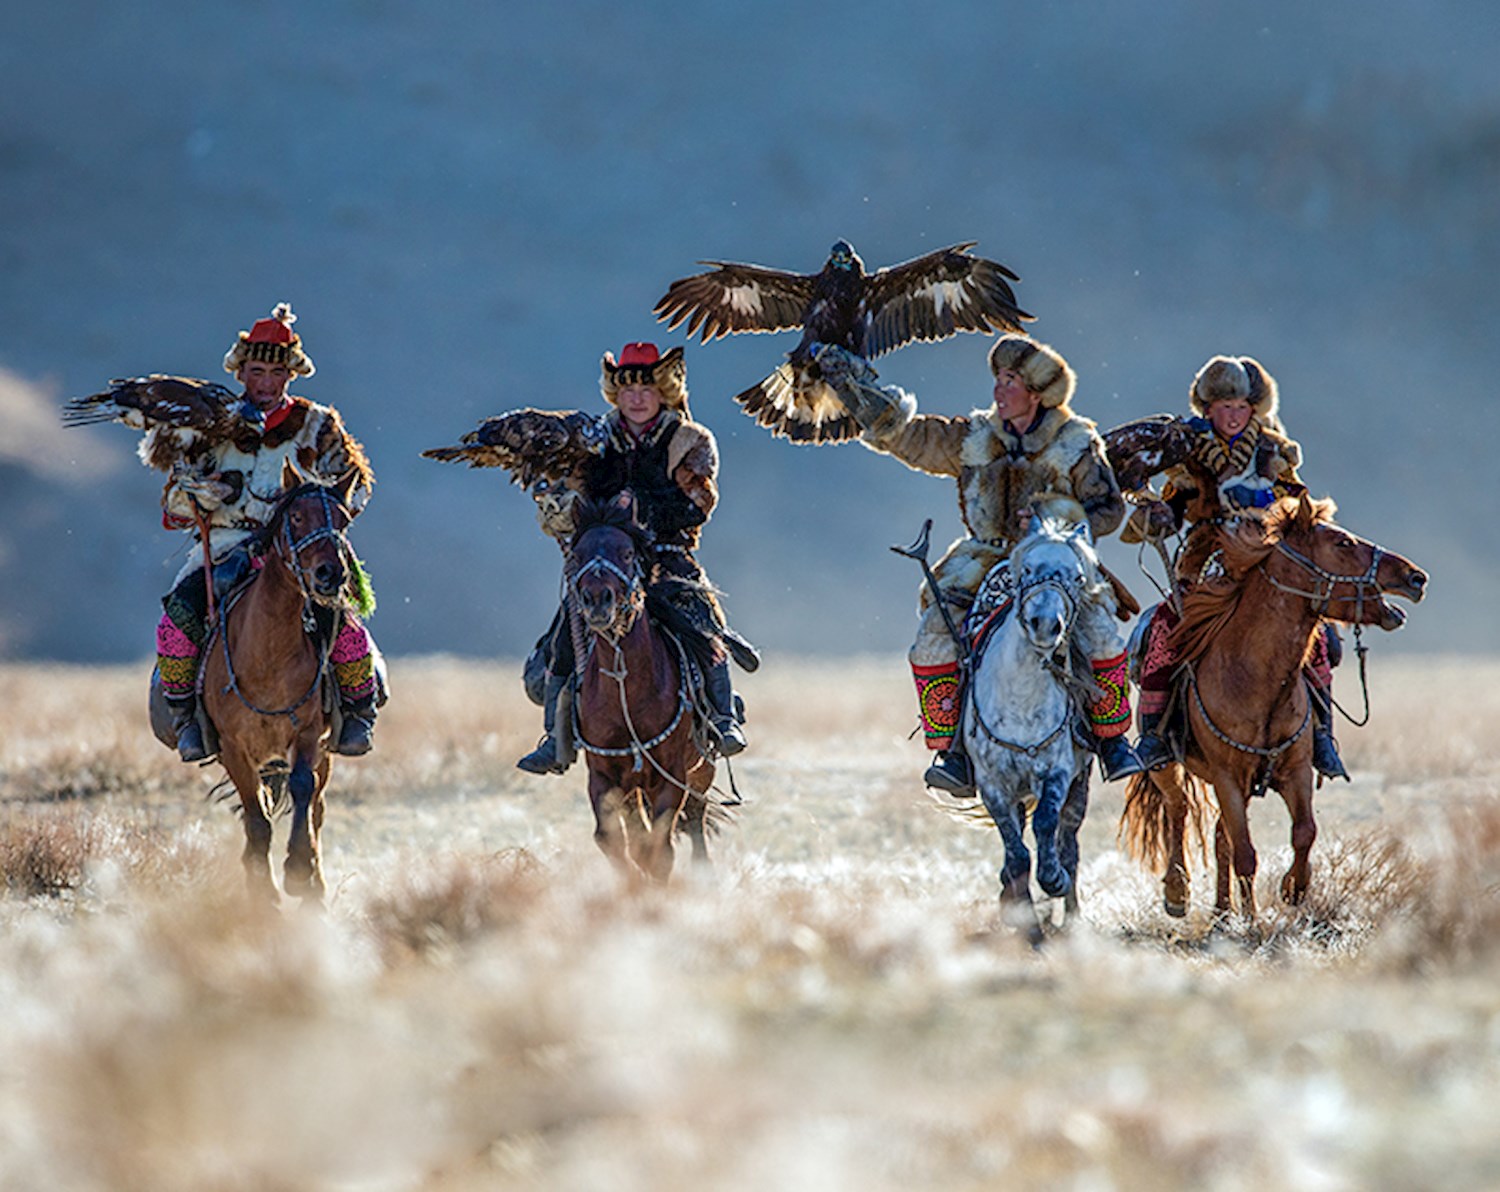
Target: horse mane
{"type": "Point", "coordinates": [1242, 545]}
{"type": "Point", "coordinates": [266, 535]}
{"type": "Point", "coordinates": [1056, 530]}
{"type": "Point", "coordinates": [590, 515]}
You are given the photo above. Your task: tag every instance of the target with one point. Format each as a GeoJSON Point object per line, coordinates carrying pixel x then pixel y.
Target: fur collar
{"type": "Point", "coordinates": [989, 439]}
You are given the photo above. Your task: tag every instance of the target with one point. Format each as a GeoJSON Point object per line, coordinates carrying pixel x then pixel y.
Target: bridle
{"type": "Point", "coordinates": [1069, 591]}
{"type": "Point", "coordinates": [627, 608]}
{"type": "Point", "coordinates": [1322, 594]}
{"type": "Point", "coordinates": [329, 501]}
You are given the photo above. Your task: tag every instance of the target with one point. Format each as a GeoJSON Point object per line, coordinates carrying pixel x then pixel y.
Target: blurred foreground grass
{"type": "Point", "coordinates": [835, 1007]}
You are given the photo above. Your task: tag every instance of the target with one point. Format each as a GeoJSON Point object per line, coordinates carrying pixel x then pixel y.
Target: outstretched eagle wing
{"type": "Point", "coordinates": [1141, 449]}
{"type": "Point", "coordinates": [530, 444]}
{"type": "Point", "coordinates": [732, 298]}
{"type": "Point", "coordinates": [180, 415]}
{"type": "Point", "coordinates": [937, 295]}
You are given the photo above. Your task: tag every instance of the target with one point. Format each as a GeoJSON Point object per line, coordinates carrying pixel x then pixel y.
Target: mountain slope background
{"type": "Point", "coordinates": [467, 204]}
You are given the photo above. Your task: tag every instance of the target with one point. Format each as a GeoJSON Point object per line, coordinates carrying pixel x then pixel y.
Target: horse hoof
{"type": "Point", "coordinates": [1178, 910]}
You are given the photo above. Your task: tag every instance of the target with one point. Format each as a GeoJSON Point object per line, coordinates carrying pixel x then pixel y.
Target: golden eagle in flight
{"type": "Point", "coordinates": [180, 415]}
{"type": "Point", "coordinates": [928, 298]}
{"type": "Point", "coordinates": [530, 444]}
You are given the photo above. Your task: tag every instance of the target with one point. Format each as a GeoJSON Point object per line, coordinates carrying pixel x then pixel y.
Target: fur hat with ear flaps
{"type": "Point", "coordinates": [642, 364]}
{"type": "Point", "coordinates": [273, 340]}
{"type": "Point", "coordinates": [1229, 378]}
{"type": "Point", "coordinates": [1042, 369]}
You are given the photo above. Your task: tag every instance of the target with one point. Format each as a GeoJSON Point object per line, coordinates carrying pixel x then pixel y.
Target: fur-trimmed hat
{"type": "Point", "coordinates": [642, 364]}
{"type": "Point", "coordinates": [1230, 378]}
{"type": "Point", "coordinates": [1042, 368]}
{"type": "Point", "coordinates": [274, 340]}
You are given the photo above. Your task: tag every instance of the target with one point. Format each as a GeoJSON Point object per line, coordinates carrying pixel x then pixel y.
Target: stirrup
{"type": "Point", "coordinates": [356, 738]}
{"type": "Point", "coordinates": [190, 746]}
{"type": "Point", "coordinates": [1117, 759]}
{"type": "Point", "coordinates": [950, 772]}
{"type": "Point", "coordinates": [1154, 753]}
{"type": "Point", "coordinates": [543, 759]}
{"type": "Point", "coordinates": [731, 739]}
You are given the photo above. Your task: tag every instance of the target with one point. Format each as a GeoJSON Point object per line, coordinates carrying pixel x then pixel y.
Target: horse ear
{"type": "Point", "coordinates": [291, 476]}
{"type": "Point", "coordinates": [1306, 511]}
{"type": "Point", "coordinates": [345, 485]}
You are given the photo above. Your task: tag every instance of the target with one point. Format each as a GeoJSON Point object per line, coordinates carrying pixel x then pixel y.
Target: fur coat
{"type": "Point", "coordinates": [1056, 468]}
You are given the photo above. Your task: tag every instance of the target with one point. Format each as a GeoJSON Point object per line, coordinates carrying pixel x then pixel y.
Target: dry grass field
{"type": "Point", "coordinates": [835, 1007]}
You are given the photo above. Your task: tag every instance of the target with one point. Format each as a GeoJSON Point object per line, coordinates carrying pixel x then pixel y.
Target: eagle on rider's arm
{"type": "Point", "coordinates": [530, 444]}
{"type": "Point", "coordinates": [180, 415]}
{"type": "Point", "coordinates": [930, 297]}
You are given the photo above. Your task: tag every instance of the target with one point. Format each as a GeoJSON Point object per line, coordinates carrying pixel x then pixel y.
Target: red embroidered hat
{"type": "Point", "coordinates": [643, 364]}
{"type": "Point", "coordinates": [272, 340]}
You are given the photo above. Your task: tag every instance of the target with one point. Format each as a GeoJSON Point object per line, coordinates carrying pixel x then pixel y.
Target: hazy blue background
{"type": "Point", "coordinates": [467, 205]}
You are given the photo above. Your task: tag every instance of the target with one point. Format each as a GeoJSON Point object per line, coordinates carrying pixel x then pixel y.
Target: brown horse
{"type": "Point", "coordinates": [1242, 642]}
{"type": "Point", "coordinates": [263, 679]}
{"type": "Point", "coordinates": [647, 771]}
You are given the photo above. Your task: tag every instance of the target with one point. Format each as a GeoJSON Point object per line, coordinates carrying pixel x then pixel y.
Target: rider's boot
{"type": "Point", "coordinates": [190, 745]}
{"type": "Point", "coordinates": [1109, 717]}
{"type": "Point", "coordinates": [1326, 760]}
{"type": "Point", "coordinates": [950, 771]}
{"type": "Point", "coordinates": [357, 736]}
{"type": "Point", "coordinates": [1151, 749]}
{"type": "Point", "coordinates": [719, 689]}
{"type": "Point", "coordinates": [1116, 758]}
{"type": "Point", "coordinates": [550, 756]}
{"type": "Point", "coordinates": [534, 674]}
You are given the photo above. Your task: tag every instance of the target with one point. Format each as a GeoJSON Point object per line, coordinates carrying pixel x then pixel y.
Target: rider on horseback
{"type": "Point", "coordinates": [1027, 454]}
{"type": "Point", "coordinates": [1240, 462]}
{"type": "Point", "coordinates": [228, 490]}
{"type": "Point", "coordinates": [670, 463]}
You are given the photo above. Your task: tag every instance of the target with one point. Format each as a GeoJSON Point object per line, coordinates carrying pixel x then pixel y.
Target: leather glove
{"type": "Point", "coordinates": [554, 508]}
{"type": "Point", "coordinates": [207, 492]}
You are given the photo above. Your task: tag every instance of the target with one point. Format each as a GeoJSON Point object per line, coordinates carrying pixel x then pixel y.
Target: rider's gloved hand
{"type": "Point", "coordinates": [207, 491]}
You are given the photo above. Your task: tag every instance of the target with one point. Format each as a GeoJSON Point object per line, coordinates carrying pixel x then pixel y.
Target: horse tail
{"type": "Point", "coordinates": [1142, 829]}
{"type": "Point", "coordinates": [1143, 822]}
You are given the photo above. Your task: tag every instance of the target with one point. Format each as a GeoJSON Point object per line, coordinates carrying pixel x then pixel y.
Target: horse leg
{"type": "Point", "coordinates": [303, 874]}
{"type": "Point", "coordinates": [1174, 882]}
{"type": "Point", "coordinates": [256, 857]}
{"type": "Point", "coordinates": [1298, 795]}
{"type": "Point", "coordinates": [1050, 873]}
{"type": "Point", "coordinates": [608, 803]}
{"type": "Point", "coordinates": [1224, 867]}
{"type": "Point", "coordinates": [1074, 808]}
{"type": "Point", "coordinates": [1016, 907]}
{"type": "Point", "coordinates": [1234, 816]}
{"type": "Point", "coordinates": [659, 853]}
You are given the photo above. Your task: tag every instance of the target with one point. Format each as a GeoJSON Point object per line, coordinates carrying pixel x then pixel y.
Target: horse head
{"type": "Point", "coordinates": [1346, 576]}
{"type": "Point", "coordinates": [607, 565]}
{"type": "Point", "coordinates": [1052, 568]}
{"type": "Point", "coordinates": [306, 531]}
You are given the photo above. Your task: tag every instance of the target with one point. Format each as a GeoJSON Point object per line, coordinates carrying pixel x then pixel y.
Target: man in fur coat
{"type": "Point", "coordinates": [1026, 454]}
{"type": "Point", "coordinates": [231, 488]}
{"type": "Point", "coordinates": [671, 464]}
{"type": "Point", "coordinates": [1241, 461]}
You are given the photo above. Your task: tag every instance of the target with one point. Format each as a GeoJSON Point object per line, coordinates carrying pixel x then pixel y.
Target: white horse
{"type": "Point", "coordinates": [1018, 725]}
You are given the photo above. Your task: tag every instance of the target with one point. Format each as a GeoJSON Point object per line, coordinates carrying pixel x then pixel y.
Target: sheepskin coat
{"type": "Point", "coordinates": [1057, 468]}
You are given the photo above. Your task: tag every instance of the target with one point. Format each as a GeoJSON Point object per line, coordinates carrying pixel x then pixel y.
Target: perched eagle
{"type": "Point", "coordinates": [1139, 450]}
{"type": "Point", "coordinates": [530, 444]}
{"type": "Point", "coordinates": [869, 314]}
{"type": "Point", "coordinates": [180, 415]}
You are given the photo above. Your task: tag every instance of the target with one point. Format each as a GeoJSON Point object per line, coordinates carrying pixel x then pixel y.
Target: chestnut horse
{"type": "Point", "coordinates": [263, 678]}
{"type": "Point", "coordinates": [634, 710]}
{"type": "Point", "coordinates": [1242, 642]}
